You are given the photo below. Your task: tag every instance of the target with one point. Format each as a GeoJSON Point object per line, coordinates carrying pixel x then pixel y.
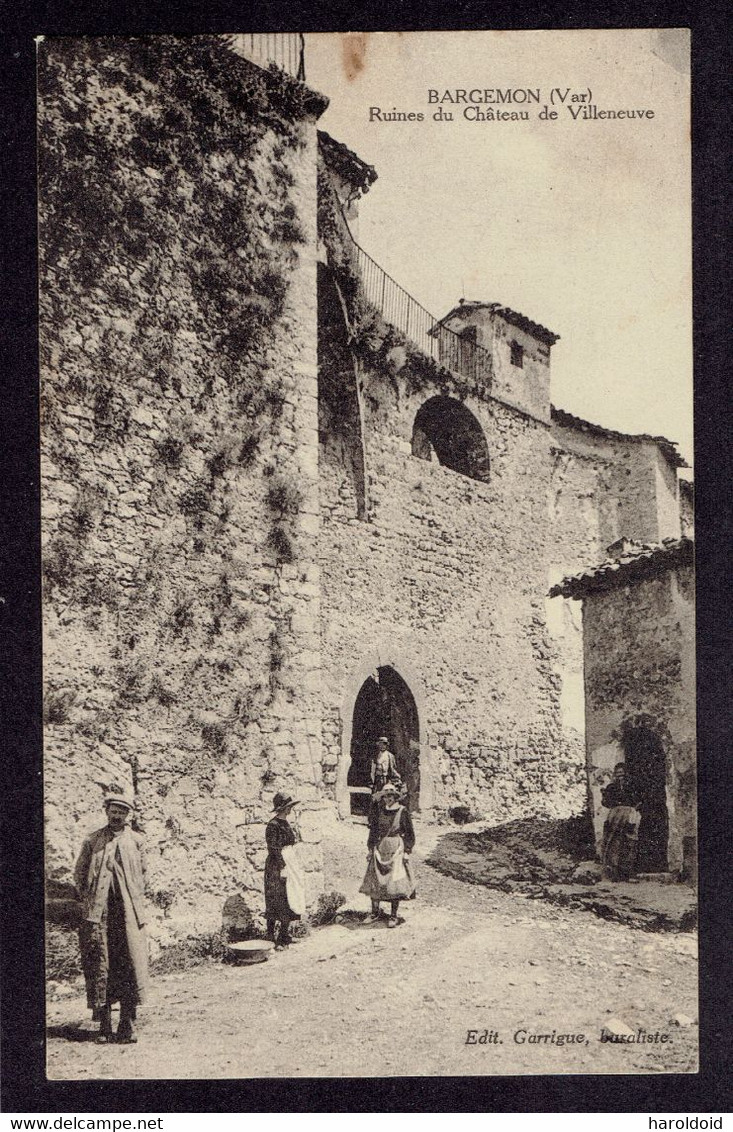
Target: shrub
{"type": "Point", "coordinates": [169, 452]}
{"type": "Point", "coordinates": [63, 961]}
{"type": "Point", "coordinates": [131, 678]}
{"type": "Point", "coordinates": [57, 704]}
{"type": "Point", "coordinates": [195, 500]}
{"type": "Point", "coordinates": [182, 617]}
{"type": "Point", "coordinates": [82, 521]}
{"type": "Point", "coordinates": [111, 414]}
{"type": "Point", "coordinates": [281, 543]}
{"type": "Point", "coordinates": [283, 498]}
{"type": "Point", "coordinates": [214, 736]}
{"type": "Point", "coordinates": [277, 651]}
{"type": "Point", "coordinates": [327, 907]}
{"type": "Point", "coordinates": [163, 695]}
{"type": "Point", "coordinates": [163, 898]}
{"type": "Point", "coordinates": [60, 565]}
{"type": "Point", "coordinates": [462, 815]}
{"type": "Point", "coordinates": [191, 953]}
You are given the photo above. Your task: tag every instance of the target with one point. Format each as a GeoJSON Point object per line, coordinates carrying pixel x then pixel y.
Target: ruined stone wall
{"type": "Point", "coordinates": [636, 489]}
{"type": "Point", "coordinates": [687, 508]}
{"type": "Point", "coordinates": [446, 581]}
{"type": "Point", "coordinates": [528, 385]}
{"type": "Point", "coordinates": [601, 488]}
{"type": "Point", "coordinates": [180, 491]}
{"type": "Point", "coordinates": [668, 499]}
{"type": "Point", "coordinates": [583, 518]}
{"type": "Point", "coordinates": [639, 668]}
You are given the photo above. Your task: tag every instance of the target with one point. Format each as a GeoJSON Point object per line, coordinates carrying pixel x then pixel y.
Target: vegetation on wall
{"type": "Point", "coordinates": [169, 234]}
{"type": "Point", "coordinates": [372, 339]}
{"type": "Point", "coordinates": [154, 195]}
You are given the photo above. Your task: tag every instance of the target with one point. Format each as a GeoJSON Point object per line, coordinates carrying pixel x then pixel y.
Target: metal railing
{"type": "Point", "coordinates": [456, 352]}
{"type": "Point", "coordinates": [285, 49]}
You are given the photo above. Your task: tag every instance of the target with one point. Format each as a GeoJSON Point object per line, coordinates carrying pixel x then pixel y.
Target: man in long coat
{"type": "Point", "coordinates": [110, 882]}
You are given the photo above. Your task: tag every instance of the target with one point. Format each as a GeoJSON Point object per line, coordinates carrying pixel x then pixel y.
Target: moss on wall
{"type": "Point", "coordinates": [177, 239]}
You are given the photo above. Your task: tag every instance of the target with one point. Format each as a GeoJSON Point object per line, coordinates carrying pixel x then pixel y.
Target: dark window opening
{"type": "Point", "coordinates": [517, 355]}
{"type": "Point", "coordinates": [447, 428]}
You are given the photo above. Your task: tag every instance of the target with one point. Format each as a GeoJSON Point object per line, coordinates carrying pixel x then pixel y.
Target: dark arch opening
{"type": "Point", "coordinates": [646, 768]}
{"type": "Point", "coordinates": [384, 706]}
{"type": "Point", "coordinates": [446, 427]}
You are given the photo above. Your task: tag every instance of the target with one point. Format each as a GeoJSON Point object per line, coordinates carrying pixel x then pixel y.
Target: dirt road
{"type": "Point", "coordinates": [358, 1000]}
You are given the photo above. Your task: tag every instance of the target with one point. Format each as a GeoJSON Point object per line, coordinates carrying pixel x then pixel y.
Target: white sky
{"type": "Point", "coordinates": [583, 226]}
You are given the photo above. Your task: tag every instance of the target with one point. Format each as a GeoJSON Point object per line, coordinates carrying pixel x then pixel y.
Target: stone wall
{"type": "Point", "coordinates": [669, 506]}
{"type": "Point", "coordinates": [239, 526]}
{"type": "Point", "coordinates": [687, 508]}
{"type": "Point", "coordinates": [444, 581]}
{"type": "Point", "coordinates": [180, 481]}
{"type": "Point", "coordinates": [602, 488]}
{"type": "Point", "coordinates": [635, 486]}
{"type": "Point", "coordinates": [639, 671]}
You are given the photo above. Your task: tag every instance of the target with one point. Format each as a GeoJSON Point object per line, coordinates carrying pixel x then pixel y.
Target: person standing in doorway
{"type": "Point", "coordinates": [384, 766]}
{"type": "Point", "coordinates": [390, 842]}
{"type": "Point", "coordinates": [621, 827]}
{"type": "Point", "coordinates": [110, 882]}
{"type": "Point", "coordinates": [284, 881]}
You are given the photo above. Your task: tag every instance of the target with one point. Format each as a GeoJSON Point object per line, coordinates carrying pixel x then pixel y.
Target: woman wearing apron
{"type": "Point", "coordinates": [391, 840]}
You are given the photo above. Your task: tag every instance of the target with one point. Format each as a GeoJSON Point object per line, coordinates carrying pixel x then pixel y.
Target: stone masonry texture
{"type": "Point", "coordinates": [640, 672]}
{"type": "Point", "coordinates": [180, 502]}
{"type": "Point", "coordinates": [241, 521]}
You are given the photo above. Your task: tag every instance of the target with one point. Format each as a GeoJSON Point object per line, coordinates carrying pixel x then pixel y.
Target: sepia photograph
{"type": "Point", "coordinates": [368, 554]}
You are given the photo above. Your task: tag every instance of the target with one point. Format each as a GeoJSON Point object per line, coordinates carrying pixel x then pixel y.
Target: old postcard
{"type": "Point", "coordinates": [367, 498]}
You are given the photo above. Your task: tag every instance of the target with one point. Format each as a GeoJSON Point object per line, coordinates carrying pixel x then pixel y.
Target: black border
{"type": "Point", "coordinates": [24, 1088]}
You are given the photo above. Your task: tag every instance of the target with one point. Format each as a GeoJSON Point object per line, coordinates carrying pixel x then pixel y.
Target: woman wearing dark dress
{"type": "Point", "coordinates": [391, 840]}
{"type": "Point", "coordinates": [621, 827]}
{"type": "Point", "coordinates": [284, 890]}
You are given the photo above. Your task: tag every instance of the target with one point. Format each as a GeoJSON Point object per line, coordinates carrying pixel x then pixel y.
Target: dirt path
{"type": "Point", "coordinates": [356, 1000]}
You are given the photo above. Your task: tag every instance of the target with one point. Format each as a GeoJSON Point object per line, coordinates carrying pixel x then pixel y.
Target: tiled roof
{"type": "Point", "coordinates": [668, 448]}
{"type": "Point", "coordinates": [632, 563]}
{"type": "Point", "coordinates": [345, 162]}
{"type": "Point", "coordinates": [534, 328]}
{"type": "Point", "coordinates": [513, 317]}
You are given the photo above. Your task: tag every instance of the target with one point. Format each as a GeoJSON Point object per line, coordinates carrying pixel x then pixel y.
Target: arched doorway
{"type": "Point", "coordinates": [646, 768]}
{"type": "Point", "coordinates": [384, 706]}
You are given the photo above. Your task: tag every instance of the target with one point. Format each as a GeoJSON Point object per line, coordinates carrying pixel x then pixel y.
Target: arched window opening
{"type": "Point", "coordinates": [384, 706]}
{"type": "Point", "coordinates": [448, 429]}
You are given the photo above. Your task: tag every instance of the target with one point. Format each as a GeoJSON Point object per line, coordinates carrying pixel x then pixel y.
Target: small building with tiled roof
{"type": "Point", "coordinates": [519, 349]}
{"type": "Point", "coordinates": [639, 677]}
